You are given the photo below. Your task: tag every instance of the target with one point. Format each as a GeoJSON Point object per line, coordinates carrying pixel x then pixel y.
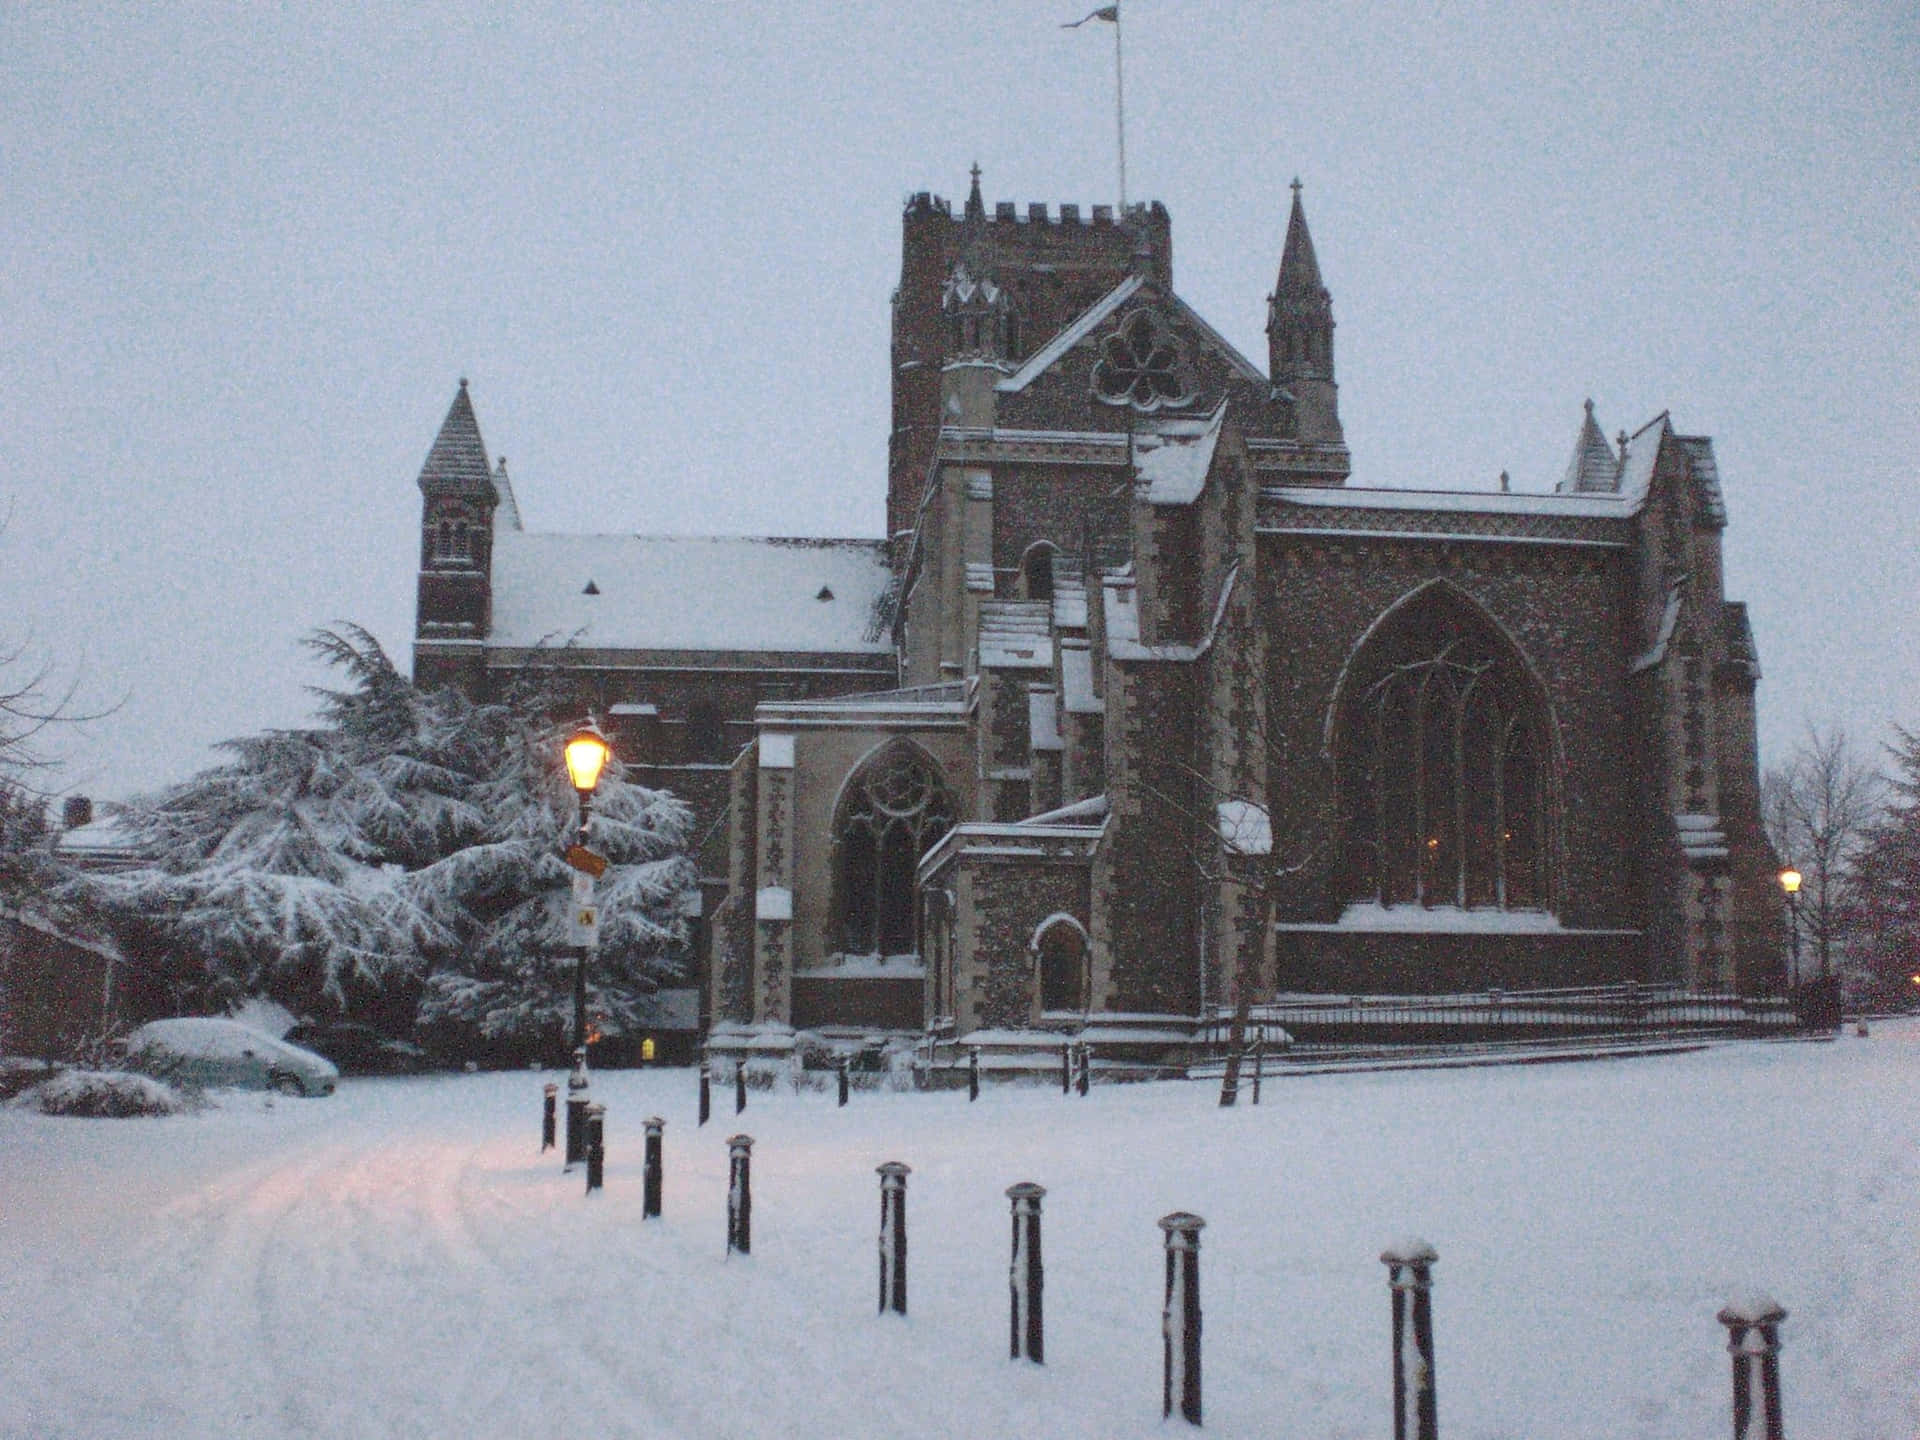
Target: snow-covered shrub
{"type": "Point", "coordinates": [109, 1093]}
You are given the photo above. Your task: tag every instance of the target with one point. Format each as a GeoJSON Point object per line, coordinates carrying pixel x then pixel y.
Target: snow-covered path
{"type": "Point", "coordinates": [400, 1261]}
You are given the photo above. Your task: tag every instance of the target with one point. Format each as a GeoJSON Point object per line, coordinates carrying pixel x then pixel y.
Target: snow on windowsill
{"type": "Point", "coordinates": [1448, 919]}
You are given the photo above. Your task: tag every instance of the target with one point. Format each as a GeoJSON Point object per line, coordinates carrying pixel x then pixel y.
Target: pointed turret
{"type": "Point", "coordinates": [457, 463]}
{"type": "Point", "coordinates": [1300, 334]}
{"type": "Point", "coordinates": [458, 498]}
{"type": "Point", "coordinates": [1594, 468]}
{"type": "Point", "coordinates": [976, 207]}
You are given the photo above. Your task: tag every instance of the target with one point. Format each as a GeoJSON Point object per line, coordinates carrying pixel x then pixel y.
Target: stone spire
{"type": "Point", "coordinates": [1300, 334]}
{"type": "Point", "coordinates": [457, 463]}
{"type": "Point", "coordinates": [1594, 468]}
{"type": "Point", "coordinates": [976, 207]}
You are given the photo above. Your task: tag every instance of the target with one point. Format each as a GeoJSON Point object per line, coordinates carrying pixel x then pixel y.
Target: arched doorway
{"type": "Point", "coordinates": [1060, 951]}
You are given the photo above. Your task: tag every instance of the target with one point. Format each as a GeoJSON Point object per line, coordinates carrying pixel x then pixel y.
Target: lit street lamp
{"type": "Point", "coordinates": [587, 753]}
{"type": "Point", "coordinates": [1790, 883]}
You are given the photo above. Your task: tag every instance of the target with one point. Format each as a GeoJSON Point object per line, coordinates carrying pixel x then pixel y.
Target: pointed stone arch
{"type": "Point", "coordinates": [1447, 761]}
{"type": "Point", "coordinates": [893, 806]}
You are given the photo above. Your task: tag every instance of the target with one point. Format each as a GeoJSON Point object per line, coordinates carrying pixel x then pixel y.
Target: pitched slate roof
{"type": "Point", "coordinates": [457, 463]}
{"type": "Point", "coordinates": [687, 592]}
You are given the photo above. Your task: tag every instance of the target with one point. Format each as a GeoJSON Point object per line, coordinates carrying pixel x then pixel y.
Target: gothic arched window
{"type": "Point", "coordinates": [1443, 750]}
{"type": "Point", "coordinates": [893, 811]}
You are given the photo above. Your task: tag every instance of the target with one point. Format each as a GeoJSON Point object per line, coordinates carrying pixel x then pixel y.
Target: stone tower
{"type": "Point", "coordinates": [455, 605]}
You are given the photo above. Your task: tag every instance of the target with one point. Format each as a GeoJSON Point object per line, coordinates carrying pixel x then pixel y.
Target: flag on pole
{"type": "Point", "coordinates": [1109, 13]}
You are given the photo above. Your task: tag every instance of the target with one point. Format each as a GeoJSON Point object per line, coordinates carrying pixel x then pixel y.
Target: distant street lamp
{"type": "Point", "coordinates": [586, 753]}
{"type": "Point", "coordinates": [1790, 883]}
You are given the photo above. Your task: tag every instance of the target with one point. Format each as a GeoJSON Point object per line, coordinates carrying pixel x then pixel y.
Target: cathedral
{"type": "Point", "coordinates": [1144, 708]}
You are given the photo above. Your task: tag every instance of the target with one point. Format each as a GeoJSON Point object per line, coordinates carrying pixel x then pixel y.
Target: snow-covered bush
{"type": "Point", "coordinates": [104, 1093]}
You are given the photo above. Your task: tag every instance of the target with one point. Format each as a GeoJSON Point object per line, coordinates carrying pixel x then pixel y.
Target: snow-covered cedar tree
{"type": "Point", "coordinates": [404, 842]}
{"type": "Point", "coordinates": [508, 896]}
{"type": "Point", "coordinates": [1886, 887]}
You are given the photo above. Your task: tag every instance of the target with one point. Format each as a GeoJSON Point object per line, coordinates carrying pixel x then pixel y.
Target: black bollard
{"type": "Point", "coordinates": [706, 1092]}
{"type": "Point", "coordinates": [650, 1194]}
{"type": "Point", "coordinates": [1066, 1067]}
{"type": "Point", "coordinates": [1086, 1068]}
{"type": "Point", "coordinates": [740, 1195]}
{"type": "Point", "coordinates": [843, 1081]}
{"type": "Point", "coordinates": [1259, 1053]}
{"type": "Point", "coordinates": [1753, 1339]}
{"type": "Point", "coordinates": [547, 1111]}
{"type": "Point", "coordinates": [893, 1237]}
{"type": "Point", "coordinates": [596, 1147]}
{"type": "Point", "coordinates": [973, 1073]}
{"type": "Point", "coordinates": [577, 1101]}
{"type": "Point", "coordinates": [739, 1087]}
{"type": "Point", "coordinates": [1180, 1317]}
{"type": "Point", "coordinates": [1025, 1277]}
{"type": "Point", "coordinates": [1416, 1414]}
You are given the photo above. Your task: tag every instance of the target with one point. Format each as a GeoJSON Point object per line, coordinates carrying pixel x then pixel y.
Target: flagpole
{"type": "Point", "coordinates": [1120, 108]}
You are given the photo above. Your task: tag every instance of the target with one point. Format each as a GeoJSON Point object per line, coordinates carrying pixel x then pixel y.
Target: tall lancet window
{"type": "Point", "coordinates": [893, 810]}
{"type": "Point", "coordinates": [1443, 750]}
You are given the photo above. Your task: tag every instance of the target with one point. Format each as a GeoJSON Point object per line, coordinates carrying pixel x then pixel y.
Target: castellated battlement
{"type": "Point", "coordinates": [925, 205]}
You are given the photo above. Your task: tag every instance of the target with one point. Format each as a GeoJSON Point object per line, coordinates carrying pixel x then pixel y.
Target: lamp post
{"type": "Point", "coordinates": [1790, 883]}
{"type": "Point", "coordinates": [586, 753]}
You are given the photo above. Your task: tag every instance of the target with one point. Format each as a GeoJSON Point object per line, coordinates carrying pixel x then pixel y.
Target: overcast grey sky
{"type": "Point", "coordinates": [246, 254]}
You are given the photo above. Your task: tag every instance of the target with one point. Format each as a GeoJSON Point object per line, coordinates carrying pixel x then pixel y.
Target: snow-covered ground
{"type": "Point", "coordinates": [399, 1260]}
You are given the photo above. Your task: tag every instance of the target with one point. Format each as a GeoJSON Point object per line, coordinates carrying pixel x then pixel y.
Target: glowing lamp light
{"type": "Point", "coordinates": [1790, 881]}
{"type": "Point", "coordinates": [587, 755]}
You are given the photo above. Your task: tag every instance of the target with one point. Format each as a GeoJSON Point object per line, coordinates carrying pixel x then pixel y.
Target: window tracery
{"type": "Point", "coordinates": [1443, 767]}
{"type": "Point", "coordinates": [1141, 364]}
{"type": "Point", "coordinates": [893, 812]}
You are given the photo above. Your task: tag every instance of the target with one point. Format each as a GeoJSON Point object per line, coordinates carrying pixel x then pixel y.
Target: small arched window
{"type": "Point", "coordinates": [893, 811]}
{"type": "Point", "coordinates": [1036, 571]}
{"type": "Point", "coordinates": [1442, 751]}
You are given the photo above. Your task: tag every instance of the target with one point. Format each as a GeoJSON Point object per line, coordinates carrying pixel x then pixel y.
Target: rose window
{"type": "Point", "coordinates": [1141, 365]}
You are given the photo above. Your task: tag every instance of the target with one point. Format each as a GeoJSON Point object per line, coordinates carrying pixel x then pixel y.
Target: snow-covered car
{"type": "Point", "coordinates": [201, 1050]}
{"type": "Point", "coordinates": [360, 1049]}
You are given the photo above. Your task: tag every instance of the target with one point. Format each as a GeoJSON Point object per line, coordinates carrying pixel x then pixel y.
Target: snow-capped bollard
{"type": "Point", "coordinates": [1753, 1339]}
{"type": "Point", "coordinates": [596, 1146]}
{"type": "Point", "coordinates": [843, 1082]}
{"type": "Point", "coordinates": [1180, 1317]}
{"type": "Point", "coordinates": [1085, 1080]}
{"type": "Point", "coordinates": [577, 1101]}
{"type": "Point", "coordinates": [739, 1087]}
{"type": "Point", "coordinates": [740, 1195]}
{"type": "Point", "coordinates": [706, 1090]}
{"type": "Point", "coordinates": [1409, 1263]}
{"type": "Point", "coordinates": [893, 1237]}
{"type": "Point", "coordinates": [548, 1110]}
{"type": "Point", "coordinates": [650, 1193]}
{"type": "Point", "coordinates": [973, 1073]}
{"type": "Point", "coordinates": [1025, 1278]}
{"type": "Point", "coordinates": [1066, 1067]}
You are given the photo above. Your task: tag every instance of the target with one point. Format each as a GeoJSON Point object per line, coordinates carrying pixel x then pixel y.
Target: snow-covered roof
{"type": "Point", "coordinates": [1483, 502]}
{"type": "Point", "coordinates": [1043, 359]}
{"type": "Point", "coordinates": [1643, 452]}
{"type": "Point", "coordinates": [1173, 458]}
{"type": "Point", "coordinates": [684, 592]}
